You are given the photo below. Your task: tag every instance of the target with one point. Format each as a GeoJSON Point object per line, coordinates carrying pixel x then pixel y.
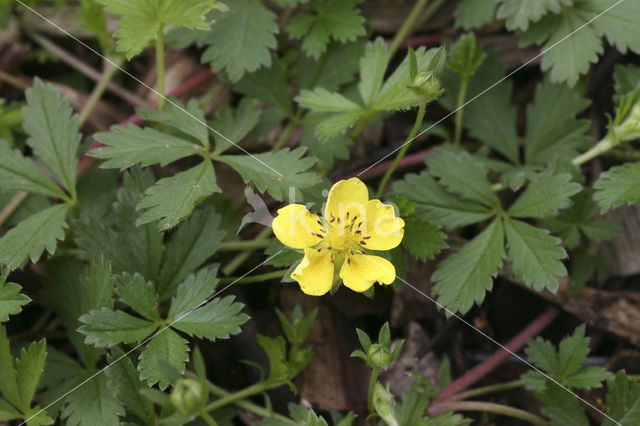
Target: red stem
{"type": "Point", "coordinates": [86, 161]}
{"type": "Point", "coordinates": [449, 393]}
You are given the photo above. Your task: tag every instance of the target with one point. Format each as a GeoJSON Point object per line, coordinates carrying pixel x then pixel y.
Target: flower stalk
{"type": "Point", "coordinates": [160, 67]}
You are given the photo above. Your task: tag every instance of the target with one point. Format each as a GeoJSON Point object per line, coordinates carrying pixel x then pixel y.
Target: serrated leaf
{"type": "Point", "coordinates": [218, 319]}
{"type": "Point", "coordinates": [322, 100]}
{"type": "Point", "coordinates": [462, 175]}
{"type": "Point", "coordinates": [172, 199]}
{"type": "Point", "coordinates": [29, 368]}
{"type": "Point", "coordinates": [553, 132]}
{"type": "Point", "coordinates": [465, 56]}
{"type": "Point", "coordinates": [141, 20]}
{"type": "Point", "coordinates": [129, 145]}
{"type": "Point", "coordinates": [436, 205]}
{"type": "Point", "coordinates": [167, 346]}
{"type": "Point", "coordinates": [276, 350]}
{"type": "Point", "coordinates": [333, 69]}
{"type": "Point", "coordinates": [238, 55]}
{"type": "Point", "coordinates": [196, 289]}
{"type": "Point", "coordinates": [7, 412]}
{"type": "Point", "coordinates": [32, 236]}
{"type": "Point", "coordinates": [545, 196]}
{"type": "Point", "coordinates": [189, 246]}
{"type": "Point", "coordinates": [188, 119]}
{"type": "Point", "coordinates": [423, 240]}
{"type": "Point", "coordinates": [11, 300]}
{"type": "Point", "coordinates": [626, 79]}
{"type": "Point", "coordinates": [561, 406]}
{"type": "Point", "coordinates": [123, 382]}
{"type": "Point", "coordinates": [139, 294]}
{"type": "Point", "coordinates": [94, 404]}
{"type": "Point", "coordinates": [373, 65]}
{"type": "Point", "coordinates": [618, 186]}
{"type": "Point", "coordinates": [327, 151]}
{"type": "Point", "coordinates": [93, 18]}
{"type": "Point", "coordinates": [474, 14]}
{"type": "Point", "coordinates": [618, 25]}
{"type": "Point", "coordinates": [18, 173]}
{"type": "Point", "coordinates": [337, 20]}
{"type": "Point", "coordinates": [53, 131]}
{"type": "Point", "coordinates": [236, 124]}
{"type": "Point", "coordinates": [106, 327]}
{"type": "Point", "coordinates": [519, 13]}
{"type": "Point", "coordinates": [464, 277]}
{"type": "Point", "coordinates": [623, 401]}
{"type": "Point", "coordinates": [268, 84]}
{"type": "Point", "coordinates": [535, 255]}
{"type": "Point", "coordinates": [291, 170]}
{"type": "Point", "coordinates": [8, 383]}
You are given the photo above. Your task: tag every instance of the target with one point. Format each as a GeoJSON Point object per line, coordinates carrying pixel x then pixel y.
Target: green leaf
{"type": "Point", "coordinates": [141, 20]}
{"type": "Point", "coordinates": [32, 236]}
{"type": "Point", "coordinates": [7, 412]}
{"type": "Point", "coordinates": [617, 25]}
{"type": "Point", "coordinates": [196, 289]}
{"type": "Point", "coordinates": [8, 383]}
{"type": "Point", "coordinates": [545, 196]}
{"type": "Point", "coordinates": [337, 20]}
{"type": "Point", "coordinates": [235, 125]}
{"type": "Point", "coordinates": [106, 327]}
{"type": "Point", "coordinates": [53, 131]}
{"type": "Point", "coordinates": [553, 132]}
{"type": "Point", "coordinates": [240, 54]}
{"type": "Point", "coordinates": [280, 255]}
{"type": "Point", "coordinates": [167, 346]}
{"type": "Point", "coordinates": [18, 173]}
{"type": "Point", "coordinates": [464, 277]}
{"type": "Point", "coordinates": [92, 17]}
{"type": "Point", "coordinates": [519, 13]}
{"type": "Point", "coordinates": [276, 350]}
{"type": "Point", "coordinates": [188, 119]}
{"type": "Point", "coordinates": [275, 172]}
{"type": "Point", "coordinates": [327, 151]}
{"type": "Point", "coordinates": [423, 240]}
{"type": "Point", "coordinates": [322, 100]}
{"type": "Point", "coordinates": [333, 69]}
{"type": "Point", "coordinates": [268, 84]}
{"type": "Point", "coordinates": [618, 186]}
{"type": "Point", "coordinates": [462, 175]}
{"type": "Point", "coordinates": [218, 319]}
{"type": "Point", "coordinates": [123, 382]}
{"type": "Point", "coordinates": [626, 79]}
{"type": "Point", "coordinates": [189, 246]}
{"type": "Point", "coordinates": [623, 401]}
{"type": "Point", "coordinates": [29, 368]}
{"type": "Point", "coordinates": [11, 300]}
{"type": "Point", "coordinates": [535, 256]}
{"type": "Point", "coordinates": [474, 14]}
{"type": "Point", "coordinates": [562, 407]}
{"type": "Point", "coordinates": [466, 56]}
{"type": "Point", "coordinates": [129, 145]}
{"type": "Point", "coordinates": [436, 205]}
{"type": "Point", "coordinates": [138, 294]}
{"type": "Point", "coordinates": [372, 68]}
{"type": "Point", "coordinates": [172, 199]}
{"type": "Point", "coordinates": [94, 404]}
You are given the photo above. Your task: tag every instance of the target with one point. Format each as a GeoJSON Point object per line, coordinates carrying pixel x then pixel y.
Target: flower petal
{"type": "Point", "coordinates": [360, 271]}
{"type": "Point", "coordinates": [346, 196]}
{"type": "Point", "coordinates": [297, 227]}
{"type": "Point", "coordinates": [315, 272]}
{"type": "Point", "coordinates": [382, 229]}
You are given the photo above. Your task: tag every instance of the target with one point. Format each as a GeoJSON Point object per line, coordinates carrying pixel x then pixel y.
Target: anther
{"type": "Point", "coordinates": [318, 222]}
{"type": "Point", "coordinates": [349, 260]}
{"type": "Point", "coordinates": [316, 235]}
{"type": "Point", "coordinates": [354, 218]}
{"type": "Point", "coordinates": [347, 216]}
{"type": "Point", "coordinates": [339, 221]}
{"type": "Point", "coordinates": [367, 237]}
{"type": "Point", "coordinates": [363, 243]}
{"type": "Point", "coordinates": [358, 232]}
{"type": "Point", "coordinates": [360, 224]}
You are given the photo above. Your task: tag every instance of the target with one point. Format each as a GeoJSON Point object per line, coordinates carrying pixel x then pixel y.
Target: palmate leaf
{"type": "Point", "coordinates": [464, 277]}
{"type": "Point", "coordinates": [423, 240]}
{"type": "Point", "coordinates": [238, 55]}
{"type": "Point", "coordinates": [188, 119]}
{"type": "Point", "coordinates": [623, 401]}
{"type": "Point", "coordinates": [140, 19]}
{"type": "Point", "coordinates": [545, 196]}
{"type": "Point", "coordinates": [236, 124]}
{"type": "Point", "coordinates": [626, 78]}
{"type": "Point", "coordinates": [11, 300]}
{"type": "Point", "coordinates": [519, 13]}
{"type": "Point", "coordinates": [465, 56]}
{"type": "Point", "coordinates": [33, 236]}
{"type": "Point", "coordinates": [18, 173]}
{"type": "Point", "coordinates": [53, 131]}
{"type": "Point", "coordinates": [168, 346]}
{"type": "Point", "coordinates": [196, 289]}
{"type": "Point", "coordinates": [268, 84]}
{"type": "Point", "coordinates": [8, 384]}
{"type": "Point", "coordinates": [474, 14]}
{"type": "Point", "coordinates": [94, 404]}
{"type": "Point", "coordinates": [275, 172]}
{"type": "Point", "coordinates": [218, 319]}
{"type": "Point", "coordinates": [561, 406]}
{"type": "Point", "coordinates": [29, 368]}
{"type": "Point", "coordinates": [106, 327]}
{"type": "Point", "coordinates": [334, 68]}
{"type": "Point", "coordinates": [139, 294]}
{"type": "Point", "coordinates": [172, 199]}
{"type": "Point", "coordinates": [618, 186]}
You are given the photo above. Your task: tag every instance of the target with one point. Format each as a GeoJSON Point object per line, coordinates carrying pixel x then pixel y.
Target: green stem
{"type": "Point", "coordinates": [160, 66]}
{"type": "Point", "coordinates": [12, 205]}
{"type": "Point", "coordinates": [489, 389]}
{"type": "Point", "coordinates": [98, 90]}
{"type": "Point", "coordinates": [372, 385]}
{"type": "Point", "coordinates": [254, 278]}
{"type": "Point", "coordinates": [407, 26]}
{"type": "Point", "coordinates": [237, 261]}
{"type": "Point", "coordinates": [249, 406]}
{"type": "Point", "coordinates": [460, 111]}
{"type": "Point", "coordinates": [356, 132]}
{"type": "Point", "coordinates": [491, 407]}
{"type": "Point", "coordinates": [284, 137]}
{"type": "Point", "coordinates": [604, 145]}
{"type": "Point", "coordinates": [208, 419]}
{"type": "Point", "coordinates": [243, 245]}
{"type": "Point", "coordinates": [234, 397]}
{"type": "Point", "coordinates": [403, 150]}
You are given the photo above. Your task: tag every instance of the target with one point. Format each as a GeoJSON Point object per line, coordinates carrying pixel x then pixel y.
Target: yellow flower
{"type": "Point", "coordinates": [338, 242]}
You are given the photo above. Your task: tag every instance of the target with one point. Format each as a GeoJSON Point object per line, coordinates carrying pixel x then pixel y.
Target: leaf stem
{"type": "Point", "coordinates": [208, 419]}
{"type": "Point", "coordinates": [490, 389]}
{"type": "Point", "coordinates": [98, 90]}
{"type": "Point", "coordinates": [490, 407]}
{"type": "Point", "coordinates": [234, 397]}
{"type": "Point", "coordinates": [372, 385]}
{"type": "Point", "coordinates": [286, 133]}
{"type": "Point", "coordinates": [160, 66]}
{"type": "Point", "coordinates": [254, 278]}
{"type": "Point", "coordinates": [385, 179]}
{"type": "Point", "coordinates": [460, 111]}
{"type": "Point", "coordinates": [237, 261]}
{"type": "Point", "coordinates": [243, 245]}
{"type": "Point", "coordinates": [12, 205]}
{"type": "Point", "coordinates": [407, 26]}
{"type": "Point", "coordinates": [604, 145]}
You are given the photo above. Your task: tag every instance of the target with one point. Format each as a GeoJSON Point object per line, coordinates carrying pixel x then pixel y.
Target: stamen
{"type": "Point", "coordinates": [318, 222]}
{"type": "Point", "coordinates": [317, 235]}
{"type": "Point", "coordinates": [363, 243]}
{"type": "Point", "coordinates": [347, 217]}
{"type": "Point", "coordinates": [332, 218]}
{"type": "Point", "coordinates": [354, 218]}
{"type": "Point", "coordinates": [333, 259]}
{"type": "Point", "coordinates": [362, 252]}
{"type": "Point", "coordinates": [319, 250]}
{"type": "Point", "coordinates": [360, 224]}
{"type": "Point", "coordinates": [358, 232]}
{"type": "Point", "coordinates": [349, 260]}
{"type": "Point", "coordinates": [352, 252]}
{"type": "Point", "coordinates": [367, 237]}
{"type": "Point", "coordinates": [339, 221]}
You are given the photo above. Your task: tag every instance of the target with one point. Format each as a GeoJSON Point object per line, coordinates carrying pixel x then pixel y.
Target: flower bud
{"type": "Point", "coordinates": [379, 357]}
{"type": "Point", "coordinates": [384, 404]}
{"type": "Point", "coordinates": [426, 86]}
{"type": "Point", "coordinates": [188, 396]}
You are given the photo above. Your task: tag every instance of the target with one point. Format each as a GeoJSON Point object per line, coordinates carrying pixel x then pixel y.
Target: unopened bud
{"type": "Point", "coordinates": [187, 396]}
{"type": "Point", "coordinates": [426, 86]}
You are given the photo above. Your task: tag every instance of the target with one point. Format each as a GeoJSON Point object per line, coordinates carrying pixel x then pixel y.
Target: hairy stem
{"type": "Point", "coordinates": [604, 145]}
{"type": "Point", "coordinates": [237, 261]}
{"type": "Point", "coordinates": [372, 385]}
{"type": "Point", "coordinates": [460, 111]}
{"type": "Point", "coordinates": [249, 406]}
{"type": "Point", "coordinates": [254, 278]}
{"type": "Point", "coordinates": [98, 90]}
{"type": "Point", "coordinates": [385, 179]}
{"type": "Point", "coordinates": [160, 66]}
{"type": "Point", "coordinates": [407, 26]}
{"type": "Point", "coordinates": [489, 407]}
